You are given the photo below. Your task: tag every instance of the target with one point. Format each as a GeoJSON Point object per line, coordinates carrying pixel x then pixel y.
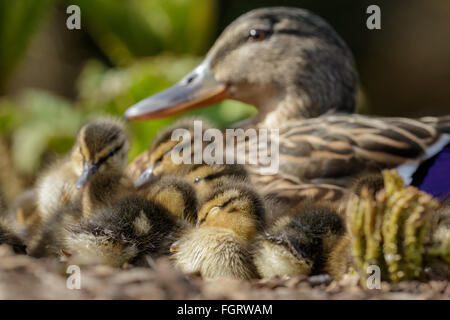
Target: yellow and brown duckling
{"type": "Point", "coordinates": [221, 244]}
{"type": "Point", "coordinates": [311, 241]}
{"type": "Point", "coordinates": [373, 182]}
{"type": "Point", "coordinates": [157, 160]}
{"type": "Point", "coordinates": [101, 148]}
{"type": "Point", "coordinates": [125, 232]}
{"type": "Point", "coordinates": [136, 226]}
{"type": "Point", "coordinates": [90, 180]}
{"type": "Point", "coordinates": [25, 216]}
{"type": "Point", "coordinates": [177, 196]}
{"type": "Point", "coordinates": [9, 237]}
{"type": "Point", "coordinates": [48, 241]}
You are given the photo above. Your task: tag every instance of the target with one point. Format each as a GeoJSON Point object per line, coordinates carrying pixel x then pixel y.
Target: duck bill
{"type": "Point", "coordinates": [88, 171]}
{"type": "Point", "coordinates": [198, 89]}
{"type": "Point", "coordinates": [146, 177]}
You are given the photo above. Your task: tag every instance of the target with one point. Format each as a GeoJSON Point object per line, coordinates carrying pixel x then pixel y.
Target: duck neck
{"type": "Point", "coordinates": [292, 104]}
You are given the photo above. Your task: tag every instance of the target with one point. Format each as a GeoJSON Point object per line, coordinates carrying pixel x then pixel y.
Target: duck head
{"type": "Point", "coordinates": [287, 62]}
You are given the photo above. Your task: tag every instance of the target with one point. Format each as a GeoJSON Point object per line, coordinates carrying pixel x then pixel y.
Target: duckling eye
{"type": "Point", "coordinates": [214, 210]}
{"type": "Point", "coordinates": [257, 35]}
{"type": "Point", "coordinates": [197, 179]}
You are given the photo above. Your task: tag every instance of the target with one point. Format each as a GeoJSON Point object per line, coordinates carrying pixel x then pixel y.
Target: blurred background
{"type": "Point", "coordinates": [53, 79]}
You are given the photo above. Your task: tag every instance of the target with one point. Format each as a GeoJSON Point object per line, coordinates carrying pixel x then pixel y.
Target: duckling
{"type": "Point", "coordinates": [7, 236]}
{"type": "Point", "coordinates": [127, 231]}
{"type": "Point", "coordinates": [101, 147]}
{"type": "Point", "coordinates": [220, 245]}
{"type": "Point", "coordinates": [25, 215]}
{"type": "Point", "coordinates": [374, 182]}
{"type": "Point", "coordinates": [207, 177]}
{"type": "Point", "coordinates": [311, 241]}
{"type": "Point", "coordinates": [100, 192]}
{"type": "Point", "coordinates": [48, 242]}
{"type": "Point", "coordinates": [176, 196]}
{"type": "Point", "coordinates": [157, 159]}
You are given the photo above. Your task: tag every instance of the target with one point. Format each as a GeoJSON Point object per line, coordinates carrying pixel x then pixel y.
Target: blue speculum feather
{"type": "Point", "coordinates": [433, 176]}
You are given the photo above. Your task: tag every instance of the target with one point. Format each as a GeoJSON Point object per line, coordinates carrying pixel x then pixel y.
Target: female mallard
{"type": "Point", "coordinates": [302, 78]}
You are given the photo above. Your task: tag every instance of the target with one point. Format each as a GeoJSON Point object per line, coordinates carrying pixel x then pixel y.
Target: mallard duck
{"type": "Point", "coordinates": [221, 244]}
{"type": "Point", "coordinates": [101, 147]}
{"type": "Point", "coordinates": [310, 241]}
{"type": "Point", "coordinates": [300, 75]}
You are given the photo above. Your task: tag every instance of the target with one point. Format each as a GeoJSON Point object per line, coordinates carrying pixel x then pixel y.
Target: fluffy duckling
{"type": "Point", "coordinates": [97, 163]}
{"type": "Point", "coordinates": [157, 160]}
{"type": "Point", "coordinates": [136, 226]}
{"type": "Point", "coordinates": [220, 245]}
{"type": "Point", "coordinates": [374, 182]}
{"type": "Point", "coordinates": [7, 236]}
{"type": "Point", "coordinates": [205, 177]}
{"type": "Point", "coordinates": [25, 216]}
{"type": "Point", "coordinates": [312, 241]}
{"type": "Point", "coordinates": [48, 242]}
{"type": "Point", "coordinates": [127, 231]}
{"type": "Point", "coordinates": [101, 147]}
{"type": "Point", "coordinates": [177, 196]}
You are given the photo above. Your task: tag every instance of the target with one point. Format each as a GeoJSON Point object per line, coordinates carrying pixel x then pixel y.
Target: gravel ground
{"type": "Point", "coordinates": [23, 277]}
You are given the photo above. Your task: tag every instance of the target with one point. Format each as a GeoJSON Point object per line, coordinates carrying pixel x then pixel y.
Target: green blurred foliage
{"type": "Point", "coordinates": [125, 30]}
{"type": "Point", "coordinates": [18, 22]}
{"type": "Point", "coordinates": [151, 45]}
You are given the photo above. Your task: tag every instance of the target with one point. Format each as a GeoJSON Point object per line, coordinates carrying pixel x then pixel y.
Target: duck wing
{"type": "Point", "coordinates": [334, 149]}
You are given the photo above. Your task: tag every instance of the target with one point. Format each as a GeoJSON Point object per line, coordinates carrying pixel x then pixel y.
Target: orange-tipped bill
{"type": "Point", "coordinates": [198, 89]}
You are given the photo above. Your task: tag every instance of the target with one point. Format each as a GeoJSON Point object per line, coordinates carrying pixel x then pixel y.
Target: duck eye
{"type": "Point", "coordinates": [257, 34]}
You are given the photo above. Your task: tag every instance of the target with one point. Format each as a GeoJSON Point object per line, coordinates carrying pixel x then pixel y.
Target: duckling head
{"type": "Point", "coordinates": [233, 207]}
{"type": "Point", "coordinates": [206, 177]}
{"type": "Point", "coordinates": [101, 146]}
{"type": "Point", "coordinates": [308, 241]}
{"type": "Point", "coordinates": [175, 195]}
{"type": "Point", "coordinates": [287, 62]}
{"type": "Point", "coordinates": [158, 160]}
